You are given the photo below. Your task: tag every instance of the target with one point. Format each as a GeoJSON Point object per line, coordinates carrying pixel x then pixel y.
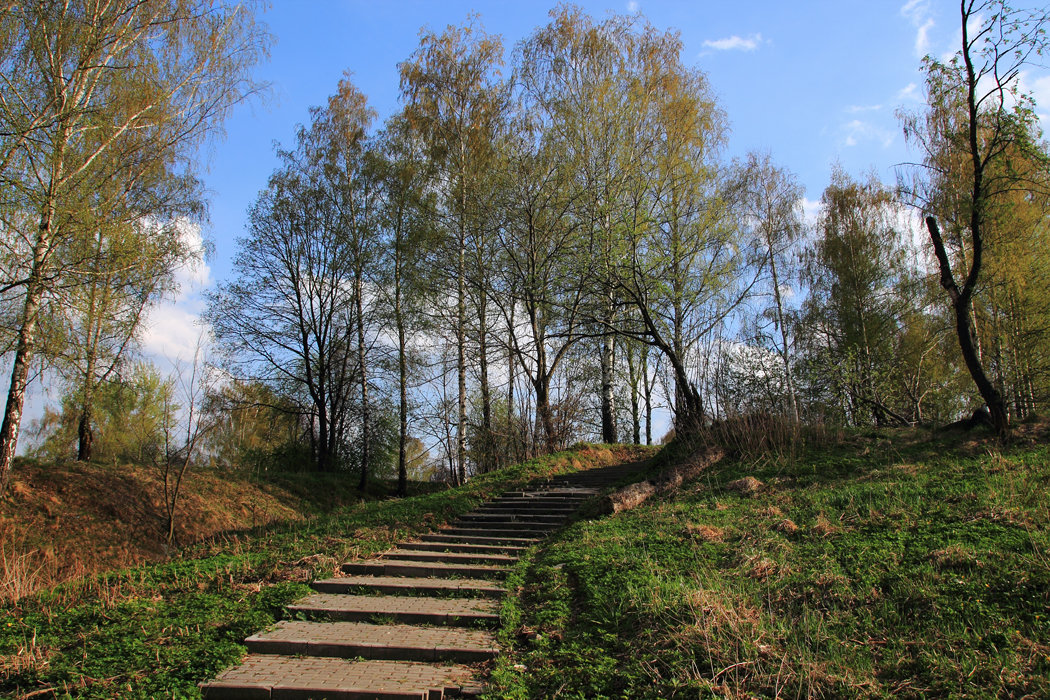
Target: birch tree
{"type": "Point", "coordinates": [95, 92]}
{"type": "Point", "coordinates": [455, 102]}
{"type": "Point", "coordinates": [772, 203]}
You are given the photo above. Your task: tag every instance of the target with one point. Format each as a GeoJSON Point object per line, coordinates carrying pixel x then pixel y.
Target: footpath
{"type": "Point", "coordinates": [410, 623]}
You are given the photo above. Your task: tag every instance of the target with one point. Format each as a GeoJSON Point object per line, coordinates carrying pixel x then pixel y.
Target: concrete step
{"type": "Point", "coordinates": [440, 546]}
{"type": "Point", "coordinates": [566, 498]}
{"type": "Point", "coordinates": [274, 677]}
{"type": "Point", "coordinates": [508, 524]}
{"type": "Point", "coordinates": [397, 585]}
{"type": "Point", "coordinates": [541, 497]}
{"type": "Point", "coordinates": [515, 517]}
{"type": "Point", "coordinates": [402, 609]}
{"type": "Point", "coordinates": [448, 537]}
{"type": "Point", "coordinates": [405, 554]}
{"type": "Point", "coordinates": [509, 530]}
{"type": "Point", "coordinates": [421, 569]}
{"type": "Point", "coordinates": [516, 509]}
{"type": "Point", "coordinates": [349, 640]}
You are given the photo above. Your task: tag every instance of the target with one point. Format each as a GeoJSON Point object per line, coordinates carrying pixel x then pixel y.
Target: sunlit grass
{"type": "Point", "coordinates": [156, 631]}
{"type": "Point", "coordinates": [881, 568]}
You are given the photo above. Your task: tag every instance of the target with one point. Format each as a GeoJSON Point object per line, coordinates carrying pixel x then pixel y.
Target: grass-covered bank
{"type": "Point", "coordinates": [62, 521]}
{"type": "Point", "coordinates": [891, 565]}
{"type": "Point", "coordinates": [157, 630]}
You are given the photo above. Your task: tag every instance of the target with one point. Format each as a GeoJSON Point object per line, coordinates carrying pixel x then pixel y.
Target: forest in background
{"type": "Point", "coordinates": [545, 244]}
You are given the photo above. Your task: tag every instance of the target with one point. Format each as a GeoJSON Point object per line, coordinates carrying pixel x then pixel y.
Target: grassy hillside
{"type": "Point", "coordinates": [64, 521]}
{"type": "Point", "coordinates": [888, 565]}
{"type": "Point", "coordinates": [157, 630]}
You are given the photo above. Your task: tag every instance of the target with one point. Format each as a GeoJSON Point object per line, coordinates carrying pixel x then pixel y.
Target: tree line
{"type": "Point", "coordinates": [552, 246]}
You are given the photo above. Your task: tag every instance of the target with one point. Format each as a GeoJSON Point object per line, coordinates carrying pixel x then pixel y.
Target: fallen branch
{"type": "Point", "coordinates": [633, 495]}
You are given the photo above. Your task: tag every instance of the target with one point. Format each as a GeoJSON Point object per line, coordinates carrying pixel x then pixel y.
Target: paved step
{"type": "Point", "coordinates": [537, 498]}
{"type": "Point", "coordinates": [388, 642]}
{"type": "Point", "coordinates": [406, 554]}
{"type": "Point", "coordinates": [422, 569]}
{"type": "Point", "coordinates": [516, 509]}
{"type": "Point", "coordinates": [442, 580]}
{"type": "Point", "coordinates": [519, 540]}
{"type": "Point", "coordinates": [475, 588]}
{"type": "Point", "coordinates": [274, 677]}
{"type": "Point", "coordinates": [515, 517]}
{"type": "Point", "coordinates": [402, 609]}
{"type": "Point", "coordinates": [546, 498]}
{"type": "Point", "coordinates": [508, 530]}
{"type": "Point", "coordinates": [506, 523]}
{"type": "Point", "coordinates": [440, 546]}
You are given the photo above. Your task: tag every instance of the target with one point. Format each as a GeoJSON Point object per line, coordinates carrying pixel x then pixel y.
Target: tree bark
{"type": "Point", "coordinates": [608, 400]}
{"type": "Point", "coordinates": [783, 334]}
{"type": "Point", "coordinates": [26, 343]}
{"type": "Point", "coordinates": [402, 375]}
{"type": "Point", "coordinates": [632, 379]}
{"type": "Point", "coordinates": [960, 298]}
{"type": "Point", "coordinates": [647, 389]}
{"type": "Point", "coordinates": [366, 416]}
{"type": "Point", "coordinates": [461, 360]}
{"type": "Point", "coordinates": [485, 461]}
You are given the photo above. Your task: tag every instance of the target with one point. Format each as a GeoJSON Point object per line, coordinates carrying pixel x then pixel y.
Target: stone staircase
{"type": "Point", "coordinates": [407, 623]}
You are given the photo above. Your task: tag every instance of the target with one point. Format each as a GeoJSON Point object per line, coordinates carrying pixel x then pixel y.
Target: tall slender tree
{"type": "Point", "coordinates": [404, 210]}
{"type": "Point", "coordinates": [94, 93]}
{"type": "Point", "coordinates": [455, 101]}
{"type": "Point", "coordinates": [854, 307]}
{"type": "Point", "coordinates": [537, 244]}
{"type": "Point", "coordinates": [975, 126]}
{"type": "Point", "coordinates": [772, 202]}
{"type": "Point", "coordinates": [295, 318]}
{"type": "Point", "coordinates": [104, 305]}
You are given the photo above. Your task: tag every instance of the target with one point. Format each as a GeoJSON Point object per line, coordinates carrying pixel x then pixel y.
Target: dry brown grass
{"type": "Point", "coordinates": [759, 437]}
{"type": "Point", "coordinates": [954, 558]}
{"type": "Point", "coordinates": [29, 657]}
{"type": "Point", "coordinates": [747, 486]}
{"type": "Point", "coordinates": [707, 533]}
{"type": "Point", "coordinates": [824, 527]}
{"type": "Point", "coordinates": [60, 522]}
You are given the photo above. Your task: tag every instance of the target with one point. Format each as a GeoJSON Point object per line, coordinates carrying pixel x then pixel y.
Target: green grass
{"type": "Point", "coordinates": [909, 568]}
{"type": "Point", "coordinates": [156, 631]}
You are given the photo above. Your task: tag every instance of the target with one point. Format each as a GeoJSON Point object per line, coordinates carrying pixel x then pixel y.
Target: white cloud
{"type": "Point", "coordinates": [909, 222]}
{"type": "Point", "coordinates": [910, 93]}
{"type": "Point", "coordinates": [854, 109]}
{"type": "Point", "coordinates": [918, 13]}
{"type": "Point", "coordinates": [632, 6]}
{"type": "Point", "coordinates": [922, 39]}
{"type": "Point", "coordinates": [735, 43]}
{"type": "Point", "coordinates": [857, 131]}
{"type": "Point", "coordinates": [810, 211]}
{"type": "Point", "coordinates": [973, 27]}
{"type": "Point", "coordinates": [1039, 89]}
{"type": "Point", "coordinates": [173, 325]}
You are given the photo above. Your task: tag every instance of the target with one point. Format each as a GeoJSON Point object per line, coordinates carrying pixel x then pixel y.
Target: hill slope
{"type": "Point", "coordinates": [892, 565]}
{"type": "Point", "coordinates": [63, 521]}
{"type": "Point", "coordinates": [157, 630]}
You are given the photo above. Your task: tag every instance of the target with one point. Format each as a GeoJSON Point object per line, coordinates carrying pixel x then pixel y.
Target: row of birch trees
{"type": "Point", "coordinates": [539, 247]}
{"type": "Point", "coordinates": [533, 253]}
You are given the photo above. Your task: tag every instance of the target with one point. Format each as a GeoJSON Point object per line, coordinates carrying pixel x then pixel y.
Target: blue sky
{"type": "Point", "coordinates": [813, 82]}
